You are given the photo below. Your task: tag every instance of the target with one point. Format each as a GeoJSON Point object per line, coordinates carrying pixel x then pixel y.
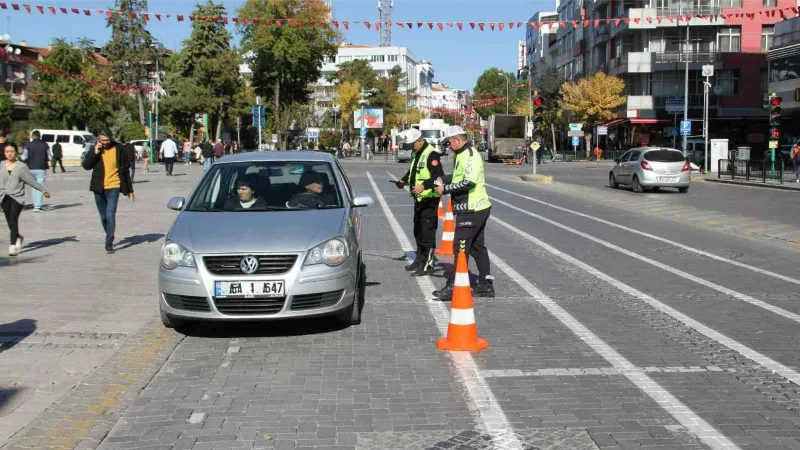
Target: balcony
{"type": "Point", "coordinates": [632, 62]}
{"type": "Point", "coordinates": [683, 57]}
{"type": "Point", "coordinates": [601, 33]}
{"type": "Point", "coordinates": [695, 10]}
{"type": "Point", "coordinates": [637, 20]}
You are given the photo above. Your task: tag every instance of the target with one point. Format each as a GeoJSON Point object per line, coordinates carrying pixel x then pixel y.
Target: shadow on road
{"type": "Point", "coordinates": [299, 327]}
{"type": "Point", "coordinates": [6, 394]}
{"type": "Point", "coordinates": [13, 333]}
{"type": "Point", "coordinates": [8, 261]}
{"type": "Point", "coordinates": [38, 245]}
{"type": "Point", "coordinates": [130, 241]}
{"type": "Point", "coordinates": [55, 207]}
{"type": "Point", "coordinates": [140, 182]}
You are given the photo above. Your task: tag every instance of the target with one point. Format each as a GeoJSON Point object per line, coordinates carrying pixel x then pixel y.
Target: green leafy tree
{"type": "Point", "coordinates": [203, 76]}
{"type": "Point", "coordinates": [286, 59]}
{"type": "Point", "coordinates": [64, 102]}
{"type": "Point", "coordinates": [492, 84]}
{"type": "Point", "coordinates": [130, 51]}
{"type": "Point", "coordinates": [6, 109]}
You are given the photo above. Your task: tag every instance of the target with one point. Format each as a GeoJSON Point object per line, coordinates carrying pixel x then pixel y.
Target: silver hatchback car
{"type": "Point", "coordinates": [651, 167]}
{"type": "Point", "coordinates": [265, 236]}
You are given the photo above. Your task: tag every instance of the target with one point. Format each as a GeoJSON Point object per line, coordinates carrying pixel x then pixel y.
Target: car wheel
{"type": "Point", "coordinates": [656, 188]}
{"type": "Point", "coordinates": [352, 315]}
{"type": "Point", "coordinates": [683, 190]}
{"type": "Point", "coordinates": [636, 186]}
{"type": "Point", "coordinates": [612, 181]}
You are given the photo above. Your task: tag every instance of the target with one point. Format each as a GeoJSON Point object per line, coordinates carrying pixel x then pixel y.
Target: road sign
{"type": "Point", "coordinates": [575, 133]}
{"type": "Point", "coordinates": [773, 144]}
{"type": "Point", "coordinates": [575, 127]}
{"type": "Point", "coordinates": [535, 145]}
{"type": "Point", "coordinates": [673, 131]}
{"type": "Point", "coordinates": [674, 105]}
{"type": "Point", "coordinates": [363, 132]}
{"type": "Point", "coordinates": [686, 128]}
{"type": "Point", "coordinates": [576, 141]}
{"type": "Point", "coordinates": [708, 70]}
{"type": "Point", "coordinates": [602, 130]}
{"type": "Point", "coordinates": [259, 118]}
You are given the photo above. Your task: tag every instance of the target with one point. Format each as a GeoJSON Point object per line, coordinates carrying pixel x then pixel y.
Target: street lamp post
{"type": "Point", "coordinates": [508, 83]}
{"type": "Point", "coordinates": [685, 84]}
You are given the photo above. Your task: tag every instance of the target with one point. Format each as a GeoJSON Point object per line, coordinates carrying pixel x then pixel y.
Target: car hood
{"type": "Point", "coordinates": [256, 232]}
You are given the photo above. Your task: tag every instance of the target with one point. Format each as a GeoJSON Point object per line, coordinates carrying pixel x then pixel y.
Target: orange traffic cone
{"type": "Point", "coordinates": [462, 332]}
{"type": "Point", "coordinates": [440, 212]}
{"type": "Point", "coordinates": [448, 232]}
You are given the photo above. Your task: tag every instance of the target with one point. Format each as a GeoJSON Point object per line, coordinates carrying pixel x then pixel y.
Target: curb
{"type": "Point", "coordinates": [546, 179]}
{"type": "Point", "coordinates": [751, 184]}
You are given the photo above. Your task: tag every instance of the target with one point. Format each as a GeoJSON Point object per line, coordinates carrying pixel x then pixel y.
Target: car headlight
{"type": "Point", "coordinates": [174, 255]}
{"type": "Point", "coordinates": [331, 253]}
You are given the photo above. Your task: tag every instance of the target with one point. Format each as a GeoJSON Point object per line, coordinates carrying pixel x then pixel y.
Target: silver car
{"type": "Point", "coordinates": [651, 167]}
{"type": "Point", "coordinates": [285, 248]}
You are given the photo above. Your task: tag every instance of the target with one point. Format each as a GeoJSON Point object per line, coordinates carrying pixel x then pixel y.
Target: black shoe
{"type": "Point", "coordinates": [109, 248]}
{"type": "Point", "coordinates": [484, 289]}
{"type": "Point", "coordinates": [445, 294]}
{"type": "Point", "coordinates": [416, 263]}
{"type": "Point", "coordinates": [426, 268]}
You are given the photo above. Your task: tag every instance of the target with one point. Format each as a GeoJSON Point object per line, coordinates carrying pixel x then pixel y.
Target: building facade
{"type": "Point", "coordinates": [541, 50]}
{"type": "Point", "coordinates": [651, 51]}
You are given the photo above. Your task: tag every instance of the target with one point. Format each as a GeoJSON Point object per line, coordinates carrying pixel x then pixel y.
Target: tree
{"type": "Point", "coordinates": [6, 109]}
{"type": "Point", "coordinates": [202, 77]}
{"type": "Point", "coordinates": [130, 51]}
{"type": "Point", "coordinates": [347, 98]}
{"type": "Point", "coordinates": [492, 85]}
{"type": "Point", "coordinates": [592, 100]}
{"type": "Point", "coordinates": [65, 102]}
{"type": "Point", "coordinates": [286, 59]}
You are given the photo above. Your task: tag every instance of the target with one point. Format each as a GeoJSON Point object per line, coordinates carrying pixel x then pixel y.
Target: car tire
{"type": "Point", "coordinates": [683, 190]}
{"type": "Point", "coordinates": [612, 181]}
{"type": "Point", "coordinates": [656, 188]}
{"type": "Point", "coordinates": [636, 186]}
{"type": "Point", "coordinates": [352, 315]}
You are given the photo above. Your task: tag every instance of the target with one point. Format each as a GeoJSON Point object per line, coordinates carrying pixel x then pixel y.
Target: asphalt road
{"type": "Point", "coordinates": [616, 325]}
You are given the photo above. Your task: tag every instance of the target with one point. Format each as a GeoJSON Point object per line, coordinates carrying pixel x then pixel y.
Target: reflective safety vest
{"type": "Point", "coordinates": [423, 174]}
{"type": "Point", "coordinates": [469, 167]}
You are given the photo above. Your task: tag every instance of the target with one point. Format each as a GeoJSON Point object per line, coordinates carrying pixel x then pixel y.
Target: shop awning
{"type": "Point", "coordinates": [613, 122]}
{"type": "Point", "coordinates": [636, 121]}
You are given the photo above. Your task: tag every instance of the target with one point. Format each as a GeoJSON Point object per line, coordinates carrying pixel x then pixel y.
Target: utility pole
{"type": "Point", "coordinates": [685, 85]}
{"type": "Point", "coordinates": [258, 103]}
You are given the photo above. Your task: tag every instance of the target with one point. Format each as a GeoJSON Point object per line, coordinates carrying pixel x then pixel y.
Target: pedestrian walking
{"type": "Point", "coordinates": [471, 206]}
{"type": "Point", "coordinates": [219, 149]}
{"type": "Point", "coordinates": [110, 178]}
{"type": "Point", "coordinates": [14, 176]}
{"type": "Point", "coordinates": [145, 157]}
{"type": "Point", "coordinates": [424, 169]}
{"type": "Point", "coordinates": [130, 152]}
{"type": "Point", "coordinates": [796, 158]}
{"type": "Point", "coordinates": [208, 154]}
{"type": "Point", "coordinates": [37, 155]}
{"type": "Point", "coordinates": [187, 153]}
{"type": "Point", "coordinates": [58, 154]}
{"type": "Point", "coordinates": [169, 151]}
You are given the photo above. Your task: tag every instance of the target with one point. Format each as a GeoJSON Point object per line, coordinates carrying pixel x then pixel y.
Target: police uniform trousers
{"type": "Point", "coordinates": [470, 227]}
{"type": "Point", "coordinates": [425, 223]}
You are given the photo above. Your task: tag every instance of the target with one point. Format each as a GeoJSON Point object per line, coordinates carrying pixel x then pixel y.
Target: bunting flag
{"type": "Point", "coordinates": [772, 14]}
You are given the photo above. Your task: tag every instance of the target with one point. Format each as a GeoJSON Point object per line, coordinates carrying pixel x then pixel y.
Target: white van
{"type": "Point", "coordinates": [73, 142]}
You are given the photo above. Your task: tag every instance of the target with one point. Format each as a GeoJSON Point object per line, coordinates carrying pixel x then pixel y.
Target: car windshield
{"type": "Point", "coordinates": [430, 134]}
{"type": "Point", "coordinates": [664, 156]}
{"type": "Point", "coordinates": [267, 186]}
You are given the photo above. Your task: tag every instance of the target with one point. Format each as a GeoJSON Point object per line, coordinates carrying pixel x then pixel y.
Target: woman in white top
{"type": "Point", "coordinates": [14, 176]}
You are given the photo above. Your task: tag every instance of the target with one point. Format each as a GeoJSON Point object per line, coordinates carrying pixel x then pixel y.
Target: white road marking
{"type": "Point", "coordinates": [710, 333]}
{"type": "Point", "coordinates": [591, 371]}
{"type": "Point", "coordinates": [656, 238]}
{"type": "Point", "coordinates": [719, 288]}
{"type": "Point", "coordinates": [489, 412]}
{"type": "Point", "coordinates": [680, 412]}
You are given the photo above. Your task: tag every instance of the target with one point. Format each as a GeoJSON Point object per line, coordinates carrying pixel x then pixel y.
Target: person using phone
{"type": "Point", "coordinates": [110, 178]}
{"type": "Point", "coordinates": [424, 169]}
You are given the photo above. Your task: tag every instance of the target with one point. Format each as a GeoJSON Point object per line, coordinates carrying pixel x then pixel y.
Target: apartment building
{"type": "Point", "coordinates": [652, 56]}
{"type": "Point", "coordinates": [419, 74]}
{"type": "Point", "coordinates": [541, 50]}
{"type": "Point", "coordinates": [448, 99]}
{"type": "Point", "coordinates": [17, 75]}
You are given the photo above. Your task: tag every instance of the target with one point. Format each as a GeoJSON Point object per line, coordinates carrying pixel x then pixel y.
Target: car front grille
{"type": "Point", "coordinates": [241, 306]}
{"type": "Point", "coordinates": [321, 300]}
{"type": "Point", "coordinates": [187, 303]}
{"type": "Point", "coordinates": [267, 264]}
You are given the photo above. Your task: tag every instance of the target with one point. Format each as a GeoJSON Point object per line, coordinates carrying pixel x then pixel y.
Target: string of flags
{"type": "Point", "coordinates": [781, 13]}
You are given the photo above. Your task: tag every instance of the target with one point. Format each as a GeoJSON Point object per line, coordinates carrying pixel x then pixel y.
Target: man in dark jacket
{"type": "Point", "coordinates": [37, 156]}
{"type": "Point", "coordinates": [208, 154]}
{"type": "Point", "coordinates": [110, 167]}
{"type": "Point", "coordinates": [58, 154]}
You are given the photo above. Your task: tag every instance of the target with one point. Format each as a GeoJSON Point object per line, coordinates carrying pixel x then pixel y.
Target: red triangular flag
{"type": "Point", "coordinates": [441, 26]}
{"type": "Point", "coordinates": [400, 24]}
{"type": "Point", "coordinates": [50, 8]}
{"type": "Point", "coordinates": [290, 21]}
{"type": "Point", "coordinates": [460, 25]}
{"type": "Point", "coordinates": [430, 25]}
{"type": "Point", "coordinates": [109, 14]}
{"type": "Point", "coordinates": [87, 12]}
{"type": "Point", "coordinates": [574, 23]}
{"type": "Point", "coordinates": [616, 22]}
{"type": "Point", "coordinates": [481, 25]}
{"type": "Point", "coordinates": [15, 6]}
{"type": "Point", "coordinates": [133, 14]}
{"type": "Point", "coordinates": [146, 17]}
{"type": "Point", "coordinates": [377, 25]}
{"type": "Point", "coordinates": [472, 25]}
{"type": "Point", "coordinates": [450, 24]}
{"type": "Point", "coordinates": [608, 20]}
{"type": "Point", "coordinates": [658, 19]}
{"type": "Point", "coordinates": [637, 20]}
{"type": "Point", "coordinates": [3, 5]}
{"type": "Point", "coordinates": [179, 17]}
{"type": "Point", "coordinates": [300, 23]}
{"type": "Point", "coordinates": [419, 24]}
{"type": "Point", "coordinates": [597, 23]}
{"type": "Point", "coordinates": [278, 23]}
{"type": "Point", "coordinates": [158, 16]}
{"type": "Point", "coordinates": [346, 25]}
{"type": "Point", "coordinates": [75, 11]}
{"type": "Point", "coordinates": [368, 25]}
{"type": "Point", "coordinates": [336, 24]}
{"type": "Point", "coordinates": [649, 20]}
{"type": "Point", "coordinates": [63, 11]}
{"type": "Point", "coordinates": [670, 19]}
{"type": "Point", "coordinates": [235, 19]}
{"type": "Point", "coordinates": [510, 25]}
{"type": "Point", "coordinates": [519, 24]}
{"type": "Point", "coordinates": [500, 26]}
{"type": "Point", "coordinates": [626, 20]}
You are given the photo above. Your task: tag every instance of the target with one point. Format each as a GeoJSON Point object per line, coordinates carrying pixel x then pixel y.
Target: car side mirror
{"type": "Point", "coordinates": [618, 160]}
{"type": "Point", "coordinates": [360, 201]}
{"type": "Point", "coordinates": [176, 203]}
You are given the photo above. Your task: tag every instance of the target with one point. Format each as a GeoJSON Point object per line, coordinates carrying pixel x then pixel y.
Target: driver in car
{"type": "Point", "coordinates": [246, 197]}
{"type": "Point", "coordinates": [313, 197]}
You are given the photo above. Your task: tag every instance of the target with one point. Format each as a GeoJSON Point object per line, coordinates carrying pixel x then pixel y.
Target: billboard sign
{"type": "Point", "coordinates": [373, 118]}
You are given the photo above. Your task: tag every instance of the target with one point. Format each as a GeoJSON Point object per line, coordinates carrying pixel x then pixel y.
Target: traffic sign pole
{"type": "Point", "coordinates": [258, 104]}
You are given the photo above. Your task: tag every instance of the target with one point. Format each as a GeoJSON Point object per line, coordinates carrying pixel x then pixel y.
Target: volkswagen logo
{"type": "Point", "coordinates": [249, 264]}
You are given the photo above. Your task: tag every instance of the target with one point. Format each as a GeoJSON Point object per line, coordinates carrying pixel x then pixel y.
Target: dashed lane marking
{"type": "Point", "coordinates": [590, 371]}
{"type": "Point", "coordinates": [490, 414]}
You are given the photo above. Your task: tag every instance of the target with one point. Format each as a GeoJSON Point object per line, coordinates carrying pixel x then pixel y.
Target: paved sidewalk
{"type": "Point", "coordinates": [77, 325]}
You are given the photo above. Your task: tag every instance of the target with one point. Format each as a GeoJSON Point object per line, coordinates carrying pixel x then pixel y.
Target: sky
{"type": "Point", "coordinates": [458, 57]}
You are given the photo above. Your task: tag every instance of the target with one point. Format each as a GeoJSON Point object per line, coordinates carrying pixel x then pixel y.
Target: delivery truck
{"type": "Point", "coordinates": [505, 135]}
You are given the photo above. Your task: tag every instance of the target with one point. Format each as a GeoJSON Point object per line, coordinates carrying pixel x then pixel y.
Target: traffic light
{"type": "Point", "coordinates": [775, 117]}
{"type": "Point", "coordinates": [538, 110]}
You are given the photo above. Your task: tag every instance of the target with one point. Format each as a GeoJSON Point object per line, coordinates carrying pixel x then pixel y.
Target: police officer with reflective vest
{"type": "Point", "coordinates": [424, 169]}
{"type": "Point", "coordinates": [471, 207]}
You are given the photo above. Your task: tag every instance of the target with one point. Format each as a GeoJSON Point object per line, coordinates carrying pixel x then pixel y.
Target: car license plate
{"type": "Point", "coordinates": [667, 179]}
{"type": "Point", "coordinates": [249, 289]}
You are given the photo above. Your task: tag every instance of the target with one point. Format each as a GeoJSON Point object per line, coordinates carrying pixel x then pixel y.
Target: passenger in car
{"type": "Point", "coordinates": [313, 183]}
{"type": "Point", "coordinates": [245, 197]}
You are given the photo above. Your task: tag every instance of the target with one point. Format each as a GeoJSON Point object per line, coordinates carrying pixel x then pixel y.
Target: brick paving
{"type": "Point", "coordinates": [383, 384]}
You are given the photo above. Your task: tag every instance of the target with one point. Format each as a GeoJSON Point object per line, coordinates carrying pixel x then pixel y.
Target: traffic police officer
{"type": "Point", "coordinates": [424, 169]}
{"type": "Point", "coordinates": [471, 206]}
